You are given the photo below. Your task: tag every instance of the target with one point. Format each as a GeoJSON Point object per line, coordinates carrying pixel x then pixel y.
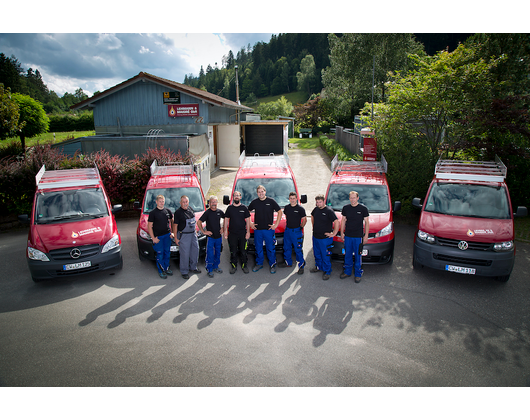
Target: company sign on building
{"type": "Point", "coordinates": [185, 110]}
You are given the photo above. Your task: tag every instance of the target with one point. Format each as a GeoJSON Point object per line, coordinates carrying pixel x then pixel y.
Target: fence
{"type": "Point", "coordinates": [348, 139]}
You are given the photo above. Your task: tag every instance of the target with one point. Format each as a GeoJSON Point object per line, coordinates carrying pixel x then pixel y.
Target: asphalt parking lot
{"type": "Point", "coordinates": [398, 327]}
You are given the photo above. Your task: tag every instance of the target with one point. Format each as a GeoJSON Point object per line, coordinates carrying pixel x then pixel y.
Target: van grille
{"type": "Point", "coordinates": [63, 254]}
{"type": "Point", "coordinates": [472, 246]}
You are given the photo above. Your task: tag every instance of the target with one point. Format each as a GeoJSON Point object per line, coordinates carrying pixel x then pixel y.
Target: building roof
{"type": "Point", "coordinates": [198, 93]}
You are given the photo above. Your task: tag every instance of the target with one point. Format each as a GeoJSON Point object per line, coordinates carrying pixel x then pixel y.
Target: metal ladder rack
{"type": "Point", "coordinates": [67, 178]}
{"type": "Point", "coordinates": [172, 169]}
{"type": "Point", "coordinates": [280, 161]}
{"type": "Point", "coordinates": [358, 166]}
{"type": "Point", "coordinates": [493, 171]}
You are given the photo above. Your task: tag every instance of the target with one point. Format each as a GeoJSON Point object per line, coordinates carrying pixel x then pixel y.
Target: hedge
{"type": "Point", "coordinates": [70, 122]}
{"type": "Point", "coordinates": [333, 147]}
{"type": "Point", "coordinates": [124, 180]}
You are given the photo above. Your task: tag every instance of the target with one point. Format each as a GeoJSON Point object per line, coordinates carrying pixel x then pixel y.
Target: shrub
{"type": "Point", "coordinates": [124, 180]}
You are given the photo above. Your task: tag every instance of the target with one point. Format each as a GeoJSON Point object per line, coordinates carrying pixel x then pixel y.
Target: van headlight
{"type": "Point", "coordinates": [144, 235]}
{"type": "Point", "coordinates": [426, 237]}
{"type": "Point", "coordinates": [387, 230]}
{"type": "Point", "coordinates": [111, 244]}
{"type": "Point", "coordinates": [35, 254]}
{"type": "Point", "coordinates": [503, 246]}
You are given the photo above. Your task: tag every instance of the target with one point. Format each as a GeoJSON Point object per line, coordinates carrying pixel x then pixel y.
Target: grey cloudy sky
{"type": "Point", "coordinates": [97, 61]}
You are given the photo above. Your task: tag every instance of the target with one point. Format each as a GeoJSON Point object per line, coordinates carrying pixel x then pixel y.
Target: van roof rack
{"type": "Point", "coordinates": [358, 166]}
{"type": "Point", "coordinates": [173, 168]}
{"type": "Point", "coordinates": [280, 161]}
{"type": "Point", "coordinates": [469, 170]}
{"type": "Point", "coordinates": [67, 178]}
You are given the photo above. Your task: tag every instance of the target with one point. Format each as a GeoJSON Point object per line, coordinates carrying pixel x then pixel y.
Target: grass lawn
{"type": "Point", "coordinates": [522, 228]}
{"type": "Point", "coordinates": [305, 143]}
{"type": "Point", "coordinates": [295, 98]}
{"type": "Point", "coordinates": [49, 137]}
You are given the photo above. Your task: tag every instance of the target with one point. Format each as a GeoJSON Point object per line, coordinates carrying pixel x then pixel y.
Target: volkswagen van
{"type": "Point", "coordinates": [466, 222]}
{"type": "Point", "coordinates": [368, 178]}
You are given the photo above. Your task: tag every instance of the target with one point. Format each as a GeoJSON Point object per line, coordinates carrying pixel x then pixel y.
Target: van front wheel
{"type": "Point", "coordinates": [503, 279]}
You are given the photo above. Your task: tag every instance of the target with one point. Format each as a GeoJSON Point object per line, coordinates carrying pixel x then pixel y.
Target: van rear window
{"type": "Point", "coordinates": [468, 200]}
{"type": "Point", "coordinates": [70, 204]}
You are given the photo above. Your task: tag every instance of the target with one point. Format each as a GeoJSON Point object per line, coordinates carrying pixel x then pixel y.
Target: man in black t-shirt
{"type": "Point", "coordinates": [294, 233]}
{"type": "Point", "coordinates": [160, 228]}
{"type": "Point", "coordinates": [237, 232]}
{"type": "Point", "coordinates": [264, 227]}
{"type": "Point", "coordinates": [354, 215]}
{"type": "Point", "coordinates": [214, 231]}
{"type": "Point", "coordinates": [325, 227]}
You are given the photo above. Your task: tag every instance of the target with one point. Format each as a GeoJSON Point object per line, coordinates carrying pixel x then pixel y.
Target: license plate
{"type": "Point", "coordinates": [462, 270]}
{"type": "Point", "coordinates": [174, 248]}
{"type": "Point", "coordinates": [76, 266]}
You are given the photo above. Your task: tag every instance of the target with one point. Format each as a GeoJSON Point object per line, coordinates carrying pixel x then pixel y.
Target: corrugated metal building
{"type": "Point", "coordinates": [147, 103]}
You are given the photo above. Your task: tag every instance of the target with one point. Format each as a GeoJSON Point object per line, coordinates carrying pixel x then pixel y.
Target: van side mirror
{"type": "Point", "coordinates": [521, 212]}
{"type": "Point", "coordinates": [137, 206]}
{"type": "Point", "coordinates": [303, 199]}
{"type": "Point", "coordinates": [117, 208]}
{"type": "Point", "coordinates": [416, 203]}
{"type": "Point", "coordinates": [23, 218]}
{"type": "Point", "coordinates": [397, 206]}
{"type": "Point", "coordinates": [226, 200]}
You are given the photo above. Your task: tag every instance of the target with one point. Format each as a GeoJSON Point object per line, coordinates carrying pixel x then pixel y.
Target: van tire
{"type": "Point", "coordinates": [415, 264]}
{"type": "Point", "coordinates": [503, 279]}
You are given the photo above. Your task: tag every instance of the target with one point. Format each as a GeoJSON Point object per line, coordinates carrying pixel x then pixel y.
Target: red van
{"type": "Point", "coordinates": [171, 181]}
{"type": "Point", "coordinates": [275, 174]}
{"type": "Point", "coordinates": [466, 222]}
{"type": "Point", "coordinates": [72, 225]}
{"type": "Point", "coordinates": [368, 178]}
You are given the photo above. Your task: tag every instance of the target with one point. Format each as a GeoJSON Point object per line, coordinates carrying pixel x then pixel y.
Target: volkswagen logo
{"type": "Point", "coordinates": [75, 253]}
{"type": "Point", "coordinates": [463, 245]}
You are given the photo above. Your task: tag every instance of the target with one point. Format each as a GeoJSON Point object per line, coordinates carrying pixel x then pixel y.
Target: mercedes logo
{"type": "Point", "coordinates": [75, 253]}
{"type": "Point", "coordinates": [463, 245]}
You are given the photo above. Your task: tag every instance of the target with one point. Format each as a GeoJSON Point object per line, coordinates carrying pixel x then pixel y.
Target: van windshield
{"type": "Point", "coordinates": [70, 204]}
{"type": "Point", "coordinates": [374, 197]}
{"type": "Point", "coordinates": [277, 189]}
{"type": "Point", "coordinates": [468, 200]}
{"type": "Point", "coordinates": [172, 196]}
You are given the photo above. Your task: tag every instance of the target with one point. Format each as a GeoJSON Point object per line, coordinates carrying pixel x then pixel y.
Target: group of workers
{"type": "Point", "coordinates": [163, 226]}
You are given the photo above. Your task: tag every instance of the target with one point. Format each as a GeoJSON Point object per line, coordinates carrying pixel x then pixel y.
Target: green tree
{"type": "Point", "coordinates": [273, 109]}
{"type": "Point", "coordinates": [307, 76]}
{"type": "Point", "coordinates": [9, 114]}
{"type": "Point", "coordinates": [348, 79]}
{"type": "Point", "coordinates": [431, 101]}
{"type": "Point", "coordinates": [33, 115]}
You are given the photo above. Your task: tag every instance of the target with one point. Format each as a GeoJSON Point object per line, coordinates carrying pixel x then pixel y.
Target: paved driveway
{"type": "Point", "coordinates": [398, 327]}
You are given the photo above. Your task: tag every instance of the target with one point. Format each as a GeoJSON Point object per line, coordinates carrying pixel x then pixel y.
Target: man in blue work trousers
{"type": "Point", "coordinates": [214, 231]}
{"type": "Point", "coordinates": [264, 227]}
{"type": "Point", "coordinates": [294, 233]}
{"type": "Point", "coordinates": [160, 227]}
{"type": "Point", "coordinates": [325, 227]}
{"type": "Point", "coordinates": [354, 215]}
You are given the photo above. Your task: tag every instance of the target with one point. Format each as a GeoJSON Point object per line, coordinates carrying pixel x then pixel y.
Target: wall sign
{"type": "Point", "coordinates": [172, 97]}
{"type": "Point", "coordinates": [186, 110]}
